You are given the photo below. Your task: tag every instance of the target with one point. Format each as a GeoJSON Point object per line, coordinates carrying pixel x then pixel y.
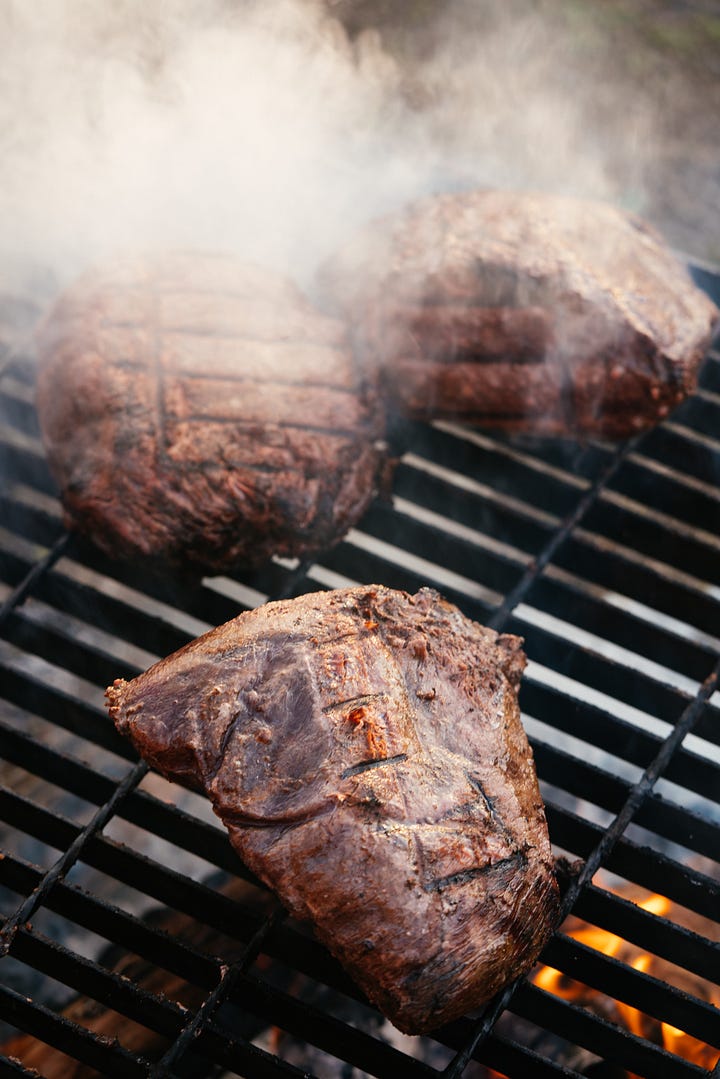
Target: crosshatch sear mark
{"type": "Point", "coordinates": [220, 334]}
{"type": "Point", "coordinates": [337, 432]}
{"type": "Point", "coordinates": [376, 762]}
{"type": "Point", "coordinates": [182, 374]}
{"type": "Point", "coordinates": [516, 861]}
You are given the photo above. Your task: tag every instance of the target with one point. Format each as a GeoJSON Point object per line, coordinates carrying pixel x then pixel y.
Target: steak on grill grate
{"type": "Point", "coordinates": [525, 311]}
{"type": "Point", "coordinates": [200, 413]}
{"type": "Point", "coordinates": [365, 751]}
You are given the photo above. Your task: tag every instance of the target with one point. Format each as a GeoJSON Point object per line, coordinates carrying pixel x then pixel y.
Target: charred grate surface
{"type": "Point", "coordinates": [606, 559]}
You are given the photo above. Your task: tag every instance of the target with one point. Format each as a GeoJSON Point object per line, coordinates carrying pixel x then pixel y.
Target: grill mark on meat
{"type": "Point", "coordinates": [364, 698]}
{"type": "Point", "coordinates": [209, 376]}
{"type": "Point", "coordinates": [221, 334]}
{"type": "Point", "coordinates": [489, 804]}
{"type": "Point", "coordinates": [376, 762]}
{"type": "Point", "coordinates": [229, 731]}
{"type": "Point", "coordinates": [338, 432]}
{"type": "Point", "coordinates": [515, 861]}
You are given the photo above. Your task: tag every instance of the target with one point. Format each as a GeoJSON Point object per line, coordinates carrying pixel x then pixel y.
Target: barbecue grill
{"type": "Point", "coordinates": [134, 941]}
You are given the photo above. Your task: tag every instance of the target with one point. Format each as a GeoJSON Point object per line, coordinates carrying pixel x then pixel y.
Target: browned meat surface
{"type": "Point", "coordinates": [530, 312]}
{"type": "Point", "coordinates": [199, 413]}
{"type": "Point", "coordinates": [365, 751]}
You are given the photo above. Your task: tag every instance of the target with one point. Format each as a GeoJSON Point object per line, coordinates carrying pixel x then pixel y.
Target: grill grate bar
{"type": "Point", "coordinates": [643, 787]}
{"type": "Point", "coordinates": [109, 1058]}
{"type": "Point", "coordinates": [598, 1034]}
{"type": "Point", "coordinates": [64, 710]}
{"type": "Point", "coordinates": [619, 737]}
{"type": "Point", "coordinates": [85, 976]}
{"type": "Point", "coordinates": [536, 567]}
{"type": "Point", "coordinates": [649, 932]}
{"type": "Point", "coordinates": [69, 857]}
{"type": "Point", "coordinates": [641, 865]}
{"type": "Point", "coordinates": [140, 807]}
{"type": "Point", "coordinates": [612, 977]}
{"type": "Point", "coordinates": [228, 979]}
{"type": "Point", "coordinates": [22, 590]}
{"type": "Point", "coordinates": [607, 791]}
{"type": "Point", "coordinates": [101, 917]}
{"type": "Point", "coordinates": [10, 1069]}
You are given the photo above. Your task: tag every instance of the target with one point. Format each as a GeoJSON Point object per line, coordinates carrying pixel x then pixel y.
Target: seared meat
{"type": "Point", "coordinates": [365, 751]}
{"type": "Point", "coordinates": [199, 413]}
{"type": "Point", "coordinates": [529, 312]}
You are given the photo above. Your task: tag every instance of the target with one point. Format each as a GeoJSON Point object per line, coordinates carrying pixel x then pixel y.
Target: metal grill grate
{"type": "Point", "coordinates": [607, 562]}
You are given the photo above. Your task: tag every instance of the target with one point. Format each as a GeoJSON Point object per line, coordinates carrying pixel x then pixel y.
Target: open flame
{"type": "Point", "coordinates": [671, 1038]}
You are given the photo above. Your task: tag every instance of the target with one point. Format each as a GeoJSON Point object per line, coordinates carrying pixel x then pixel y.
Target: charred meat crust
{"type": "Point", "coordinates": [531, 312]}
{"type": "Point", "coordinates": [199, 414]}
{"type": "Point", "coordinates": [365, 751]}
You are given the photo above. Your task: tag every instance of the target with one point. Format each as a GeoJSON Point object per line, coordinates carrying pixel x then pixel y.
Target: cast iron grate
{"type": "Point", "coordinates": [606, 559]}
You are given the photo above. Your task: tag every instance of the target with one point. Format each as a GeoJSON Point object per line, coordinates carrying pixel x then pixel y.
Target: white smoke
{"type": "Point", "coordinates": [262, 128]}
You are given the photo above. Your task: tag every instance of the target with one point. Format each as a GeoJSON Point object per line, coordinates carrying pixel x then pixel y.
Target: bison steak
{"type": "Point", "coordinates": [364, 749]}
{"type": "Point", "coordinates": [530, 312]}
{"type": "Point", "coordinates": [199, 412]}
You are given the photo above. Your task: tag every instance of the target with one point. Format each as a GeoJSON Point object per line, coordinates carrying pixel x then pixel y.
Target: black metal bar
{"type": "Point", "coordinates": [70, 856]}
{"type": "Point", "coordinates": [585, 781]}
{"type": "Point", "coordinates": [114, 924]}
{"type": "Point", "coordinates": [649, 932]}
{"type": "Point", "coordinates": [29, 582]}
{"type": "Point", "coordinates": [229, 977]}
{"type": "Point", "coordinates": [613, 978]}
{"type": "Point", "coordinates": [66, 711]}
{"type": "Point", "coordinates": [558, 539]}
{"type": "Point", "coordinates": [120, 993]}
{"type": "Point", "coordinates": [612, 571]}
{"type": "Point", "coordinates": [670, 446]}
{"type": "Point", "coordinates": [568, 601]}
{"type": "Point", "coordinates": [507, 524]}
{"type": "Point", "coordinates": [316, 1026]}
{"type": "Point", "coordinates": [141, 808]}
{"type": "Point", "coordinates": [643, 787]}
{"type": "Point", "coordinates": [600, 1036]}
{"type": "Point", "coordinates": [621, 738]}
{"type": "Point", "coordinates": [641, 865]}
{"type": "Point", "coordinates": [11, 1069]}
{"type": "Point", "coordinates": [701, 414]}
{"type": "Point", "coordinates": [100, 1053]}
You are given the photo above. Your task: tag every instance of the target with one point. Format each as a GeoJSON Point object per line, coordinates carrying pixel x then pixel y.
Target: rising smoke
{"type": "Point", "coordinates": [265, 129]}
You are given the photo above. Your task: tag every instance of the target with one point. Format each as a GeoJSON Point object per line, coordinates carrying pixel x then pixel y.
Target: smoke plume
{"type": "Point", "coordinates": [264, 128]}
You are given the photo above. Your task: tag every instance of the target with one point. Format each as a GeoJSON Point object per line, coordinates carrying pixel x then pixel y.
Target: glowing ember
{"type": "Point", "coordinates": [637, 1022]}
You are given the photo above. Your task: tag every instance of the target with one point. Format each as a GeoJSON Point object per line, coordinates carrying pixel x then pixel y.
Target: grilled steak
{"type": "Point", "coordinates": [365, 751]}
{"type": "Point", "coordinates": [200, 413]}
{"type": "Point", "coordinates": [529, 312]}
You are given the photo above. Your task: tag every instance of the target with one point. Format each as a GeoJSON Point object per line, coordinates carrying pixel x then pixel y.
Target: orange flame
{"type": "Point", "coordinates": [674, 1040]}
